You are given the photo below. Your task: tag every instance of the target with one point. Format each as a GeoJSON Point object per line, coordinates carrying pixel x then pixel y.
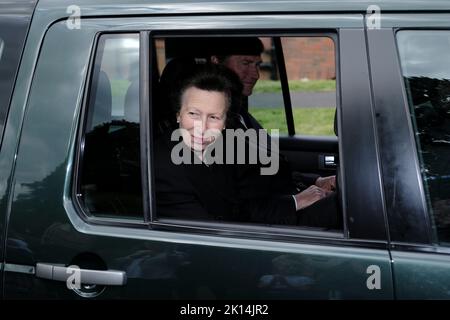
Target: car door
{"type": "Point", "coordinates": [139, 255]}
{"type": "Point", "coordinates": [410, 88]}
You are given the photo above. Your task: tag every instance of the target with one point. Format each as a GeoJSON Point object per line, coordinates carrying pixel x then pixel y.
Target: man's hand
{"type": "Point", "coordinates": [327, 183]}
{"type": "Point", "coordinates": [309, 196]}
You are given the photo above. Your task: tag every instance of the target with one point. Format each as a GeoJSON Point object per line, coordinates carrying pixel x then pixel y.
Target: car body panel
{"type": "Point", "coordinates": [380, 181]}
{"type": "Point", "coordinates": [421, 275]}
{"type": "Point", "coordinates": [420, 263]}
{"type": "Point", "coordinates": [158, 264]}
{"type": "Point", "coordinates": [137, 7]}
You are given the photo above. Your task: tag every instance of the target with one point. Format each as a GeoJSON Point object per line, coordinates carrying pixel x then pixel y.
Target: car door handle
{"type": "Point", "coordinates": [98, 277]}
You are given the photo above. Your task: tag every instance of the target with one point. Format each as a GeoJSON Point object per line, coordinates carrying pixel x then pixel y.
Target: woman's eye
{"type": "Point", "coordinates": [192, 113]}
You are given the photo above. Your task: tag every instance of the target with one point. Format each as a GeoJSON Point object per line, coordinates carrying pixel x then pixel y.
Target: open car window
{"type": "Point", "coordinates": [281, 95]}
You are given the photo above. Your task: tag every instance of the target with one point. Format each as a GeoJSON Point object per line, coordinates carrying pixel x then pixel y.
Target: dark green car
{"type": "Point", "coordinates": [360, 90]}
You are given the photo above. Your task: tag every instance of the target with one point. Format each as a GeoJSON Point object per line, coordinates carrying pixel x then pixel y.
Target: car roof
{"type": "Point", "coordinates": [137, 7]}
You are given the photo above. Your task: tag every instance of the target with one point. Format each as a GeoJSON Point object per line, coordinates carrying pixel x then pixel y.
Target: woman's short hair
{"type": "Point", "coordinates": [211, 77]}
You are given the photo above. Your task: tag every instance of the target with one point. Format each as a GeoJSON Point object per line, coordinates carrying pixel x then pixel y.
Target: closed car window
{"type": "Point", "coordinates": [425, 57]}
{"type": "Point", "coordinates": [110, 175]}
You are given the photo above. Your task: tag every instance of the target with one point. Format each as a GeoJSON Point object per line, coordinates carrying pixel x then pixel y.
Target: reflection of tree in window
{"type": "Point", "coordinates": [431, 105]}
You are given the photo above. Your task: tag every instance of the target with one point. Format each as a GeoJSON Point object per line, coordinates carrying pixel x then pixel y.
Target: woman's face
{"type": "Point", "coordinates": [202, 115]}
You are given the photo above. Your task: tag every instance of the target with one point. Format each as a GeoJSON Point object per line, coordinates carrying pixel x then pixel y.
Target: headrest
{"type": "Point", "coordinates": [101, 100]}
{"type": "Point", "coordinates": [225, 46]}
{"type": "Point", "coordinates": [204, 47]}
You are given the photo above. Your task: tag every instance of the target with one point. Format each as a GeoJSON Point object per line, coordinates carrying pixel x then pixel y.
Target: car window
{"type": "Point", "coordinates": [266, 104]}
{"type": "Point", "coordinates": [425, 57]}
{"type": "Point", "coordinates": [311, 72]}
{"type": "Point", "coordinates": [203, 192]}
{"type": "Point", "coordinates": [256, 188]}
{"type": "Point", "coordinates": [110, 175]}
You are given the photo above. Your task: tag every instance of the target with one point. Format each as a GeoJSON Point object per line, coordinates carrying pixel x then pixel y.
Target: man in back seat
{"type": "Point", "coordinates": [243, 56]}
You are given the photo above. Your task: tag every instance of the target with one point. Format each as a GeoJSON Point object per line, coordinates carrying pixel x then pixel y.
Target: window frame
{"type": "Point", "coordinates": [383, 43]}
{"type": "Point", "coordinates": [402, 188]}
{"type": "Point", "coordinates": [249, 229]}
{"type": "Point", "coordinates": [80, 141]}
{"type": "Point", "coordinates": [261, 232]}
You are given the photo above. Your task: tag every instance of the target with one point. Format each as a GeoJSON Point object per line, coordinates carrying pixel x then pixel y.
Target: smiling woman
{"type": "Point", "coordinates": [201, 104]}
{"type": "Point", "coordinates": [195, 189]}
{"type": "Point", "coordinates": [202, 117]}
{"type": "Point", "coordinates": [192, 184]}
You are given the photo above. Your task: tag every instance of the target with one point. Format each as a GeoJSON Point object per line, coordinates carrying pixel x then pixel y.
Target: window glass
{"type": "Point", "coordinates": [424, 57]}
{"type": "Point", "coordinates": [110, 178]}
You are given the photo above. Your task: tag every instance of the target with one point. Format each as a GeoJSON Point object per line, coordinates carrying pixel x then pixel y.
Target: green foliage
{"type": "Point", "coordinates": [119, 87]}
{"type": "Point", "coordinates": [308, 121]}
{"type": "Point", "coordinates": [269, 86]}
